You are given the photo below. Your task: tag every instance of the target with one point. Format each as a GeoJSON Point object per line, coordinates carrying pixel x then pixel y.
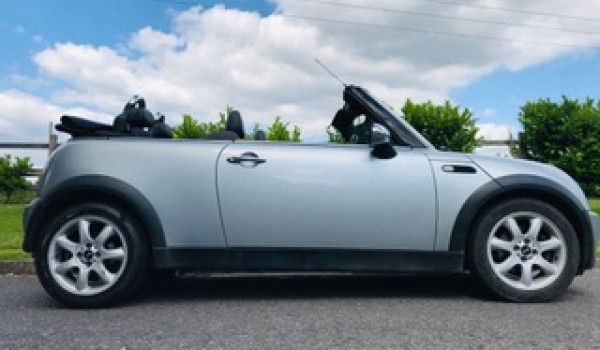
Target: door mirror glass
{"type": "Point", "coordinates": [379, 135]}
{"type": "Point", "coordinates": [381, 145]}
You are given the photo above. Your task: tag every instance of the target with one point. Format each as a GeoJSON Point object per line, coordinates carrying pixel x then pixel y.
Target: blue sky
{"type": "Point", "coordinates": [575, 76]}
{"type": "Point", "coordinates": [493, 78]}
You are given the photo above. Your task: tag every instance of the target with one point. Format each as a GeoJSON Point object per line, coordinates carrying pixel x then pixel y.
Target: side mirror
{"type": "Point", "coordinates": [381, 146]}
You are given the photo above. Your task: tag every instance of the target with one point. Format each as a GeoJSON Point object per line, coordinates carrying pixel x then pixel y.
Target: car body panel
{"type": "Point", "coordinates": [177, 178]}
{"type": "Point", "coordinates": [453, 190]}
{"type": "Point", "coordinates": [327, 196]}
{"type": "Point", "coordinates": [500, 167]}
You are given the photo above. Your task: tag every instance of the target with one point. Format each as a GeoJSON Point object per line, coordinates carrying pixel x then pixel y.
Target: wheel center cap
{"type": "Point", "coordinates": [88, 254]}
{"type": "Point", "coordinates": [526, 250]}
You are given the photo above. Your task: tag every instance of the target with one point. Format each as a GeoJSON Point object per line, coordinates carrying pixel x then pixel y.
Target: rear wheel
{"type": "Point", "coordinates": [92, 255]}
{"type": "Point", "coordinates": [524, 250]}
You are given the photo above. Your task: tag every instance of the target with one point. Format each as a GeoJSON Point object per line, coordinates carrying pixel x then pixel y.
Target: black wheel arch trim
{"type": "Point", "coordinates": [525, 185]}
{"type": "Point", "coordinates": [105, 187]}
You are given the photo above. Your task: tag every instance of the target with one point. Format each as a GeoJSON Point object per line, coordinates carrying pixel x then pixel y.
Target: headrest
{"type": "Point", "coordinates": [235, 124]}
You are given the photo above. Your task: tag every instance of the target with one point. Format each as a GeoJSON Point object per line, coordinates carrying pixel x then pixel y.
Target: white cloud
{"type": "Point", "coordinates": [24, 114]}
{"type": "Point", "coordinates": [264, 66]}
{"type": "Point", "coordinates": [489, 112]}
{"type": "Point", "coordinates": [491, 131]}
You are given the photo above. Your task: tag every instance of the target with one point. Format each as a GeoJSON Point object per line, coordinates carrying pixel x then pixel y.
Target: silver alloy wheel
{"type": "Point", "coordinates": [87, 255]}
{"type": "Point", "coordinates": [526, 250]}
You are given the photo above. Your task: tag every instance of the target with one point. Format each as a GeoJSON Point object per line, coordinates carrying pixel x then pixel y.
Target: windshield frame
{"type": "Point", "coordinates": [400, 130]}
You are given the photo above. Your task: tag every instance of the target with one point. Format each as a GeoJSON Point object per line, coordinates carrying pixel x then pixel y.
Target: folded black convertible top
{"type": "Point", "coordinates": [135, 120]}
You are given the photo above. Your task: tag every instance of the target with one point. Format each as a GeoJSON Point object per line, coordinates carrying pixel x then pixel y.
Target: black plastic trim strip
{"type": "Point", "coordinates": [259, 259]}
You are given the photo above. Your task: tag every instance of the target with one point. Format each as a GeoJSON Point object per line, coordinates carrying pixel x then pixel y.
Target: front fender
{"type": "Point", "coordinates": [532, 186]}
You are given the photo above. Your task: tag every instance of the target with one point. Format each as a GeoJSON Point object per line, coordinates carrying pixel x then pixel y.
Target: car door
{"type": "Point", "coordinates": [325, 196]}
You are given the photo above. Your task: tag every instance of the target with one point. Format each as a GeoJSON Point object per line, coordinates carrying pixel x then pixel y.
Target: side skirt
{"type": "Point", "coordinates": [256, 259]}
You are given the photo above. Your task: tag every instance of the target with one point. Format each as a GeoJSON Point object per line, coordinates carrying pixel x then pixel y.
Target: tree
{"type": "Point", "coordinates": [334, 135]}
{"type": "Point", "coordinates": [566, 135]}
{"type": "Point", "coordinates": [445, 126]}
{"type": "Point", "coordinates": [278, 131]}
{"type": "Point", "coordinates": [11, 175]}
{"type": "Point", "coordinates": [191, 128]}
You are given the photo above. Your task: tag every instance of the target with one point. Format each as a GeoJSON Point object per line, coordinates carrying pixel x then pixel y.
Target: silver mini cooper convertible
{"type": "Point", "coordinates": [118, 202]}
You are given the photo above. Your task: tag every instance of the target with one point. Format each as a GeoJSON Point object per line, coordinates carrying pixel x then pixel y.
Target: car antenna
{"type": "Point", "coordinates": [330, 72]}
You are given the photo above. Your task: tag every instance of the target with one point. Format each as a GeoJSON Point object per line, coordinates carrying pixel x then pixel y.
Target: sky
{"type": "Point", "coordinates": [89, 57]}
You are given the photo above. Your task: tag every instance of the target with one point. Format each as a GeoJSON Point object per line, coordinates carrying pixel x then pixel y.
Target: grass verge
{"type": "Point", "coordinates": [595, 204]}
{"type": "Point", "coordinates": [11, 230]}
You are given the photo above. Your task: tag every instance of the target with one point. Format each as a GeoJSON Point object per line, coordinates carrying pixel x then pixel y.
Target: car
{"type": "Point", "coordinates": [117, 202]}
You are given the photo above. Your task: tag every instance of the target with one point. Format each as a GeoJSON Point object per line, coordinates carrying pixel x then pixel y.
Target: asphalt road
{"type": "Point", "coordinates": [303, 313]}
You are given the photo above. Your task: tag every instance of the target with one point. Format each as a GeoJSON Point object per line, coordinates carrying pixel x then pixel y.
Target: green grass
{"type": "Point", "coordinates": [11, 230]}
{"type": "Point", "coordinates": [13, 254]}
{"type": "Point", "coordinates": [20, 197]}
{"type": "Point", "coordinates": [595, 204]}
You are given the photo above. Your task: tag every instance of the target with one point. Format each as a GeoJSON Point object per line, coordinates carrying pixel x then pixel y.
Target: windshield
{"type": "Point", "coordinates": [399, 119]}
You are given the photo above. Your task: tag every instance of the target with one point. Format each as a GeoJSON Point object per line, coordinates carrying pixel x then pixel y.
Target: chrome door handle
{"type": "Point", "coordinates": [247, 157]}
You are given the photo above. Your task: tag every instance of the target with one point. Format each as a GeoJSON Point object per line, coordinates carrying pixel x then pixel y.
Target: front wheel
{"type": "Point", "coordinates": [92, 255]}
{"type": "Point", "coordinates": [524, 250]}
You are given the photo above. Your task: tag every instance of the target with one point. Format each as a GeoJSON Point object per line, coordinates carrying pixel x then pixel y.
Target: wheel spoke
{"type": "Point", "coordinates": [84, 232]}
{"type": "Point", "coordinates": [506, 265]}
{"type": "Point", "coordinates": [114, 254]}
{"type": "Point", "coordinates": [67, 244]}
{"type": "Point", "coordinates": [535, 225]}
{"type": "Point", "coordinates": [105, 275]}
{"type": "Point", "coordinates": [106, 233]}
{"type": "Point", "coordinates": [83, 278]}
{"type": "Point", "coordinates": [63, 267]}
{"type": "Point", "coordinates": [501, 244]}
{"type": "Point", "coordinates": [545, 265]}
{"type": "Point", "coordinates": [551, 244]}
{"type": "Point", "coordinates": [513, 227]}
{"type": "Point", "coordinates": [526, 274]}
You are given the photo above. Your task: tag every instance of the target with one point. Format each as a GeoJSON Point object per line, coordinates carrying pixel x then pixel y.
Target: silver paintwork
{"type": "Point", "coordinates": [335, 196]}
{"type": "Point", "coordinates": [453, 190]}
{"type": "Point", "coordinates": [83, 264]}
{"type": "Point", "coordinates": [304, 195]}
{"type": "Point", "coordinates": [529, 260]}
{"type": "Point", "coordinates": [177, 177]}
{"type": "Point", "coordinates": [301, 196]}
{"type": "Point", "coordinates": [498, 167]}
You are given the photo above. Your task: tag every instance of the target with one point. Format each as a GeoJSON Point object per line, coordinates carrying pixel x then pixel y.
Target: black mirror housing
{"type": "Point", "coordinates": [384, 151]}
{"type": "Point", "coordinates": [381, 145]}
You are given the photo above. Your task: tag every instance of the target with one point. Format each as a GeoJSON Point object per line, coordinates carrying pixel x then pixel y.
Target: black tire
{"type": "Point", "coordinates": [538, 273]}
{"type": "Point", "coordinates": [115, 265]}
